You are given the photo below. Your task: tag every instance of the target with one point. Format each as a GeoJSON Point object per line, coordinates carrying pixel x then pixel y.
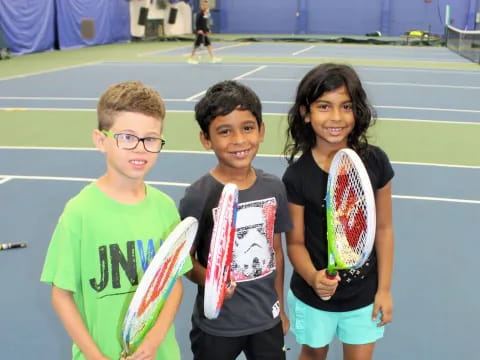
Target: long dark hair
{"type": "Point", "coordinates": [323, 78]}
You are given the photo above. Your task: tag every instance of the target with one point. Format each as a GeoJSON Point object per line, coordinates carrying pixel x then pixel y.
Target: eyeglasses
{"type": "Point", "coordinates": [130, 141]}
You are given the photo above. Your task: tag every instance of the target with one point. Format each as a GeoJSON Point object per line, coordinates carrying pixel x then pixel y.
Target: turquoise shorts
{"type": "Point", "coordinates": [317, 328]}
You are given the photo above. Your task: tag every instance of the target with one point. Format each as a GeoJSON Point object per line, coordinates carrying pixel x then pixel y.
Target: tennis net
{"type": "Point", "coordinates": [465, 43]}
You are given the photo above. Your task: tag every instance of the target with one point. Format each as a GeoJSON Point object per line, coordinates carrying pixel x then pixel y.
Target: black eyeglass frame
{"type": "Point", "coordinates": [115, 136]}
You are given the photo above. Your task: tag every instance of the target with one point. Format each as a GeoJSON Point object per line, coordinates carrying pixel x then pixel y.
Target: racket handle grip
{"type": "Point", "coordinates": [7, 246]}
{"type": "Point", "coordinates": [330, 275]}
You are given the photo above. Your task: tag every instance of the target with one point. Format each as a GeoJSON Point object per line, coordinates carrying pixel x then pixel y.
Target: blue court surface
{"type": "Point", "coordinates": [436, 203]}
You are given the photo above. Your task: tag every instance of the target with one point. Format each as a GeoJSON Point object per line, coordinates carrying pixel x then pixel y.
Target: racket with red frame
{"type": "Point", "coordinates": [220, 254]}
{"type": "Point", "coordinates": [351, 217]}
{"type": "Point", "coordinates": [156, 283]}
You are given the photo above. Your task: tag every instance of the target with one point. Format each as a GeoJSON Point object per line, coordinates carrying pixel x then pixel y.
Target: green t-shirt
{"type": "Point", "coordinates": [100, 250]}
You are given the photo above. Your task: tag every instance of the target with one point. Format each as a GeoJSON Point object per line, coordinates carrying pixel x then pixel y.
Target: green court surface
{"type": "Point", "coordinates": [405, 141]}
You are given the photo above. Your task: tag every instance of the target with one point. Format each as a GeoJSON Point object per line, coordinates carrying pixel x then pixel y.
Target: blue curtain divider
{"type": "Point", "coordinates": [31, 25]}
{"type": "Point", "coordinates": [471, 15]}
{"type": "Point", "coordinates": [28, 25]}
{"type": "Point", "coordinates": [111, 19]}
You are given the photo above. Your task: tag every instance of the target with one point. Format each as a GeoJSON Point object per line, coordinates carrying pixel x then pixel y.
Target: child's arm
{"type": "Point", "coordinates": [66, 309]}
{"type": "Point", "coordinates": [154, 338]}
{"type": "Point", "coordinates": [300, 258]}
{"type": "Point", "coordinates": [198, 272]}
{"type": "Point", "coordinates": [384, 249]}
{"type": "Point", "coordinates": [279, 281]}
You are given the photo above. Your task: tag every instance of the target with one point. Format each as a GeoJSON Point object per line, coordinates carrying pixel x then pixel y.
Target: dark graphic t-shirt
{"type": "Point", "coordinates": [262, 211]}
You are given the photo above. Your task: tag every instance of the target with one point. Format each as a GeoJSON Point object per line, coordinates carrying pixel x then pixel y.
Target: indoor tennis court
{"type": "Point", "coordinates": [428, 123]}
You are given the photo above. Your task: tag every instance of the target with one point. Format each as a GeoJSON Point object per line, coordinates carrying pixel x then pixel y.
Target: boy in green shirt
{"type": "Point", "coordinates": [108, 233]}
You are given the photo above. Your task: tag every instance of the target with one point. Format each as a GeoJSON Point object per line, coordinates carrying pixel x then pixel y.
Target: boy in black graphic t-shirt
{"type": "Point", "coordinates": [252, 320]}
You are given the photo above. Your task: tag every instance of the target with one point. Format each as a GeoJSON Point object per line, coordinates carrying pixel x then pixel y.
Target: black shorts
{"type": "Point", "coordinates": [202, 39]}
{"type": "Point", "coordinates": [265, 345]}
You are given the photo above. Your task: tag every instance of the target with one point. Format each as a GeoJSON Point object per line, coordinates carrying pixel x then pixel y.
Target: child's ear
{"type": "Point", "coordinates": [262, 131]}
{"type": "Point", "coordinates": [303, 112]}
{"type": "Point", "coordinates": [205, 140]}
{"type": "Point", "coordinates": [99, 139]}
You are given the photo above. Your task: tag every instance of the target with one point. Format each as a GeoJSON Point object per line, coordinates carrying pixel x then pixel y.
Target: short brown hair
{"type": "Point", "coordinates": [130, 96]}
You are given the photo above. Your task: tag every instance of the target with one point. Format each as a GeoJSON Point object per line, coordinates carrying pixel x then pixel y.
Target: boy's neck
{"type": "Point", "coordinates": [125, 192]}
{"type": "Point", "coordinates": [243, 178]}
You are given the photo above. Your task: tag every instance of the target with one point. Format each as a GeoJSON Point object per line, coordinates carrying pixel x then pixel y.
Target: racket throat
{"type": "Point", "coordinates": [331, 274]}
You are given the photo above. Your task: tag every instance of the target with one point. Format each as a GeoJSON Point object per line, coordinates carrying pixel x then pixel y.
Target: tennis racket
{"type": "Point", "coordinates": [350, 213]}
{"type": "Point", "coordinates": [220, 254]}
{"type": "Point", "coordinates": [156, 283]}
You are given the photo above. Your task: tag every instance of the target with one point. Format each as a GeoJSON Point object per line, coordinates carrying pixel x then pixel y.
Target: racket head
{"type": "Point", "coordinates": [220, 253]}
{"type": "Point", "coordinates": [156, 283]}
{"type": "Point", "coordinates": [351, 216]}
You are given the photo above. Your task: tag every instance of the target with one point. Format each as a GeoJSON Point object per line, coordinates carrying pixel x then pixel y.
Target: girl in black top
{"type": "Point", "coordinates": [331, 112]}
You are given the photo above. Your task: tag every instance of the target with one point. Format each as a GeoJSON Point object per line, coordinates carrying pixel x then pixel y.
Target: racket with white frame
{"type": "Point", "coordinates": [351, 217]}
{"type": "Point", "coordinates": [156, 283]}
{"type": "Point", "coordinates": [220, 254]}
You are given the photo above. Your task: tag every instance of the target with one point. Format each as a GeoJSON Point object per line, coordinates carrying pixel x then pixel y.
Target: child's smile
{"type": "Point", "coordinates": [235, 139]}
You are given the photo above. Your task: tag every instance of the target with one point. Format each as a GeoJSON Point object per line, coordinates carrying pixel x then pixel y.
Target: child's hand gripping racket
{"type": "Point", "coordinates": [220, 255]}
{"type": "Point", "coordinates": [350, 213]}
{"type": "Point", "coordinates": [156, 284]}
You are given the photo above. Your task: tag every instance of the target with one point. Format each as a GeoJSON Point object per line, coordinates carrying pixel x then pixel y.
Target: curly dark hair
{"type": "Point", "coordinates": [323, 78]}
{"type": "Point", "coordinates": [223, 98]}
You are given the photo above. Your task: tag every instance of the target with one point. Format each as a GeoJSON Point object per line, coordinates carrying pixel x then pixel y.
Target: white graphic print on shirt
{"type": "Point", "coordinates": [253, 254]}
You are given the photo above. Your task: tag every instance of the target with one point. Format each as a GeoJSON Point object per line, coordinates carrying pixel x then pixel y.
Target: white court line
{"type": "Point", "coordinates": [201, 93]}
{"type": "Point", "coordinates": [265, 113]}
{"type": "Point", "coordinates": [273, 79]}
{"type": "Point", "coordinates": [250, 72]}
{"type": "Point", "coordinates": [48, 148]}
{"type": "Point", "coordinates": [306, 66]}
{"type": "Point", "coordinates": [428, 198]}
{"type": "Point", "coordinates": [431, 121]}
{"type": "Point", "coordinates": [380, 83]}
{"type": "Point", "coordinates": [163, 51]}
{"type": "Point", "coordinates": [426, 108]}
{"type": "Point", "coordinates": [203, 51]}
{"type": "Point", "coordinates": [432, 164]}
{"type": "Point", "coordinates": [210, 153]}
{"type": "Point", "coordinates": [193, 97]}
{"type": "Point", "coordinates": [53, 148]}
{"type": "Point", "coordinates": [407, 69]}
{"type": "Point", "coordinates": [44, 109]}
{"type": "Point", "coordinates": [63, 98]}
{"type": "Point", "coordinates": [421, 85]}
{"type": "Point", "coordinates": [51, 70]}
{"type": "Point", "coordinates": [3, 181]}
{"type": "Point", "coordinates": [179, 184]}
{"type": "Point", "coordinates": [81, 179]}
{"type": "Point", "coordinates": [302, 51]}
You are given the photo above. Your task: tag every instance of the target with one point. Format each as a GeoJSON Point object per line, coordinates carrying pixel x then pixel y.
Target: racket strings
{"type": "Point", "coordinates": [157, 282]}
{"type": "Point", "coordinates": [350, 227]}
{"type": "Point", "coordinates": [161, 280]}
{"type": "Point", "coordinates": [220, 253]}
